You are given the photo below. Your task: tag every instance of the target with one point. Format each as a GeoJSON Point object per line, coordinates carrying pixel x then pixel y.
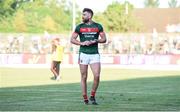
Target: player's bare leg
{"type": "Point", "coordinates": [96, 68]}
{"type": "Point", "coordinates": [53, 69]}
{"type": "Point", "coordinates": [84, 71]}
{"type": "Point", "coordinates": [57, 68]}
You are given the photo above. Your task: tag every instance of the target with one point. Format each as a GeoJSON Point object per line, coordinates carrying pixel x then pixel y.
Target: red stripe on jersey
{"type": "Point", "coordinates": [89, 30]}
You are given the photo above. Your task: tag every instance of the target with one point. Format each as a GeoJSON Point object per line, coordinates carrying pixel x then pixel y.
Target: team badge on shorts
{"type": "Point", "coordinates": [81, 61]}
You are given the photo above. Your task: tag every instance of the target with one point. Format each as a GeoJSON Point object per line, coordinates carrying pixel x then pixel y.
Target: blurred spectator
{"type": "Point", "coordinates": [167, 43]}
{"type": "Point", "coordinates": [166, 47]}
{"type": "Point", "coordinates": [35, 45]}
{"type": "Point", "coordinates": [117, 45]}
{"type": "Point", "coordinates": [21, 43]}
{"type": "Point", "coordinates": [150, 49]}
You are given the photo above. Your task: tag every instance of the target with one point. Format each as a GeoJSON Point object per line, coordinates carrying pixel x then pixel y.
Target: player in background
{"type": "Point", "coordinates": [57, 56]}
{"type": "Point", "coordinates": [89, 32]}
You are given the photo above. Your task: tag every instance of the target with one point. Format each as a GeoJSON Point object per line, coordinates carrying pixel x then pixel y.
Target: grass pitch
{"type": "Point", "coordinates": [119, 90]}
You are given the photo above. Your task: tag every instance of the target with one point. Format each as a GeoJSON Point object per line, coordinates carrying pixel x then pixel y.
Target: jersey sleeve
{"type": "Point", "coordinates": [100, 28]}
{"type": "Point", "coordinates": [77, 29]}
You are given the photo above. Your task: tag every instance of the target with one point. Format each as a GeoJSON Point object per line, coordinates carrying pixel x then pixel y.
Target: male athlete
{"type": "Point", "coordinates": [89, 32]}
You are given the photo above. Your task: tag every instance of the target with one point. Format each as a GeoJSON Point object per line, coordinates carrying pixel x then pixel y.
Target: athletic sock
{"type": "Point", "coordinates": [85, 97]}
{"type": "Point", "coordinates": [93, 93]}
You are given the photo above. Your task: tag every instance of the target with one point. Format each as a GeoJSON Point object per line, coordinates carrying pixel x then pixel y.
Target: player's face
{"type": "Point", "coordinates": [86, 17]}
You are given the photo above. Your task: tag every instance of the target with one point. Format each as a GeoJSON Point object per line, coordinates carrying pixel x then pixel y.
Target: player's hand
{"type": "Point", "coordinates": [94, 41]}
{"type": "Point", "coordinates": [87, 43]}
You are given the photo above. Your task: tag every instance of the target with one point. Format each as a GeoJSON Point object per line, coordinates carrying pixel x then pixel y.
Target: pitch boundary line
{"type": "Point", "coordinates": [68, 91]}
{"type": "Point", "coordinates": [138, 67]}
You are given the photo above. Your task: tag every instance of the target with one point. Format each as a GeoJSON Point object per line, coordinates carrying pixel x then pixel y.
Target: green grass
{"type": "Point", "coordinates": [119, 90]}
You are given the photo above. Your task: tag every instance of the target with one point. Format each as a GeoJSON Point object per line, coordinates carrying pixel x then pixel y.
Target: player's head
{"type": "Point", "coordinates": [87, 15]}
{"type": "Point", "coordinates": [56, 40]}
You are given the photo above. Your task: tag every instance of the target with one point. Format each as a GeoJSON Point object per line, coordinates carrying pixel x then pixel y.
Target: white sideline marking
{"type": "Point", "coordinates": [139, 67]}
{"type": "Point", "coordinates": [67, 91]}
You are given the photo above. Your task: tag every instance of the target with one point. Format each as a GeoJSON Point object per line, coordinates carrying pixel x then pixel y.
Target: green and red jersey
{"type": "Point", "coordinates": [87, 33]}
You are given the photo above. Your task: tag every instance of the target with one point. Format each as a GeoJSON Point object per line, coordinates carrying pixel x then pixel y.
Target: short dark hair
{"type": "Point", "coordinates": [88, 10]}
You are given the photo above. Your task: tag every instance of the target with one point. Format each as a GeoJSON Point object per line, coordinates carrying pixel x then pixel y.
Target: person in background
{"type": "Point", "coordinates": [57, 56]}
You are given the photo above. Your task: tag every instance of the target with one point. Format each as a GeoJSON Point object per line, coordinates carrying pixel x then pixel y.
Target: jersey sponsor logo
{"type": "Point", "coordinates": [89, 30]}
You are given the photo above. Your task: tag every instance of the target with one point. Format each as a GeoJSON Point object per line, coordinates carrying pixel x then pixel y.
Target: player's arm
{"type": "Point", "coordinates": [77, 42]}
{"type": "Point", "coordinates": [103, 38]}
{"type": "Point", "coordinates": [74, 39]}
{"type": "Point", "coordinates": [102, 35]}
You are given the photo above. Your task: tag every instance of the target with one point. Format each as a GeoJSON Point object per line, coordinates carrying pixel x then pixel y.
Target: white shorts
{"type": "Point", "coordinates": [86, 59]}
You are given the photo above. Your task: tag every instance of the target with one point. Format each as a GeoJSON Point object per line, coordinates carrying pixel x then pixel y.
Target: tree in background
{"type": "Point", "coordinates": [55, 16]}
{"type": "Point", "coordinates": [173, 3]}
{"type": "Point", "coordinates": [8, 7]}
{"type": "Point", "coordinates": [151, 3]}
{"type": "Point", "coordinates": [19, 22]}
{"type": "Point", "coordinates": [116, 19]}
{"type": "Point", "coordinates": [7, 10]}
{"type": "Point", "coordinates": [36, 16]}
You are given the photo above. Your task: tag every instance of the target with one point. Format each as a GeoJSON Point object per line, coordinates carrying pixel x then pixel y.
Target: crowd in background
{"type": "Point", "coordinates": [148, 43]}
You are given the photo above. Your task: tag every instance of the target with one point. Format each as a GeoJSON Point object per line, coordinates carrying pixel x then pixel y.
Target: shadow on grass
{"type": "Point", "coordinates": [148, 94]}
